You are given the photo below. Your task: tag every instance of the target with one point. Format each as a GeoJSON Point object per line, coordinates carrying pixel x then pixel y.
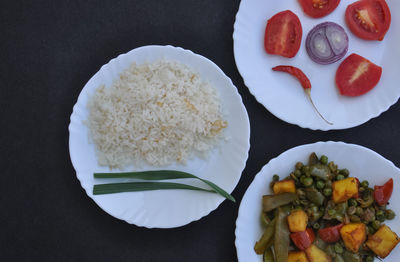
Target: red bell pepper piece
{"type": "Point", "coordinates": [383, 193]}
{"type": "Point", "coordinates": [304, 239]}
{"type": "Point", "coordinates": [330, 234]}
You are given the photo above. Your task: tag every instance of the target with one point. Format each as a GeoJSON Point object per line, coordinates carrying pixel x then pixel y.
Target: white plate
{"type": "Point", "coordinates": [361, 162]}
{"type": "Point", "coordinates": [165, 208]}
{"type": "Point", "coordinates": [282, 95]}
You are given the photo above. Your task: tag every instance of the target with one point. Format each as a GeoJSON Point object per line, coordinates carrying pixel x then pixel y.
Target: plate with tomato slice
{"type": "Point", "coordinates": [361, 163]}
{"type": "Point", "coordinates": [347, 89]}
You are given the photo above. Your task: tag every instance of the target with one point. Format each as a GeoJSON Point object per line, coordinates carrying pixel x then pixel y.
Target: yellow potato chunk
{"type": "Point", "coordinates": [383, 241]}
{"type": "Point", "coordinates": [299, 256]}
{"type": "Point", "coordinates": [353, 235]}
{"type": "Point", "coordinates": [297, 221]}
{"type": "Point", "coordinates": [314, 254]}
{"type": "Point", "coordinates": [284, 186]}
{"type": "Point", "coordinates": [344, 189]}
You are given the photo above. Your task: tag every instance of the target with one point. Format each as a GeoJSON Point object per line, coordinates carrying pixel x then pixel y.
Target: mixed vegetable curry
{"type": "Point", "coordinates": [319, 213]}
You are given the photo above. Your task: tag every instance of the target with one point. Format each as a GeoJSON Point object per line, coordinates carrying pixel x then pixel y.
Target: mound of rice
{"type": "Point", "coordinates": [155, 113]}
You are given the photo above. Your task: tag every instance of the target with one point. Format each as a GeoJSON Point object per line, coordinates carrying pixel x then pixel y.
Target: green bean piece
{"type": "Point", "coordinates": [365, 184]}
{"type": "Point", "coordinates": [265, 220]}
{"type": "Point", "coordinates": [339, 177]}
{"type": "Point", "coordinates": [352, 202]}
{"type": "Point", "coordinates": [327, 192]}
{"type": "Point", "coordinates": [324, 160]}
{"type": "Point", "coordinates": [268, 255]}
{"type": "Point", "coordinates": [271, 202]}
{"type": "Point", "coordinates": [338, 248]}
{"type": "Point", "coordinates": [320, 184]}
{"type": "Point", "coordinates": [300, 193]}
{"type": "Point", "coordinates": [299, 165]}
{"type": "Point", "coordinates": [275, 178]}
{"type": "Point", "coordinates": [268, 234]}
{"type": "Point", "coordinates": [281, 239]}
{"type": "Point", "coordinates": [369, 259]}
{"type": "Point", "coordinates": [344, 172]}
{"type": "Point", "coordinates": [389, 214]}
{"type": "Point", "coordinates": [321, 171]}
{"type": "Point", "coordinates": [313, 159]}
{"type": "Point", "coordinates": [314, 196]}
{"type": "Point", "coordinates": [376, 224]}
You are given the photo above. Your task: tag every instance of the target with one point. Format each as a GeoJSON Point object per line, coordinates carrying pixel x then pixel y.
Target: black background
{"type": "Point", "coordinates": [48, 51]}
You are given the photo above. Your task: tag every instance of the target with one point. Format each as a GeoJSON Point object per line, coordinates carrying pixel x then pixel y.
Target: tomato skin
{"type": "Point", "coordinates": [383, 193]}
{"type": "Point", "coordinates": [357, 75]}
{"type": "Point", "coordinates": [302, 240]}
{"type": "Point", "coordinates": [330, 234]}
{"type": "Point", "coordinates": [368, 19]}
{"type": "Point", "coordinates": [283, 34]}
{"type": "Point", "coordinates": [321, 8]}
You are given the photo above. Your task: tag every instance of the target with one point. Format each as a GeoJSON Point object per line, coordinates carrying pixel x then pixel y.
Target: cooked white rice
{"type": "Point", "coordinates": [158, 113]}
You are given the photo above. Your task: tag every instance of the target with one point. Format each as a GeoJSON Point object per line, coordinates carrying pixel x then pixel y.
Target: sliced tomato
{"type": "Point", "coordinates": [383, 193]}
{"type": "Point", "coordinates": [330, 234]}
{"type": "Point", "coordinates": [357, 75]}
{"type": "Point", "coordinates": [318, 8]}
{"type": "Point", "coordinates": [369, 19]}
{"type": "Point", "coordinates": [283, 34]}
{"type": "Point", "coordinates": [302, 240]}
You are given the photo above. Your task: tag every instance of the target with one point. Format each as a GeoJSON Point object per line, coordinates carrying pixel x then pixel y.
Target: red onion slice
{"type": "Point", "coordinates": [327, 43]}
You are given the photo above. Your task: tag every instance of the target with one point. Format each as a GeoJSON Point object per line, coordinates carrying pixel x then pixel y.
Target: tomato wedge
{"type": "Point", "coordinates": [383, 193]}
{"type": "Point", "coordinates": [356, 75]}
{"type": "Point", "coordinates": [302, 240]}
{"type": "Point", "coordinates": [318, 8]}
{"type": "Point", "coordinates": [369, 19]}
{"type": "Point", "coordinates": [283, 34]}
{"type": "Point", "coordinates": [330, 234]}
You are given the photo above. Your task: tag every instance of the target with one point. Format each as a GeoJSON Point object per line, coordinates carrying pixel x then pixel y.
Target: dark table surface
{"type": "Point", "coordinates": [48, 51]}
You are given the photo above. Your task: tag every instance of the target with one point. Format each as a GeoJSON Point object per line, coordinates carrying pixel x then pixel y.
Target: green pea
{"type": "Point", "coordinates": [316, 226]}
{"type": "Point", "coordinates": [351, 210]}
{"type": "Point", "coordinates": [308, 181]}
{"type": "Point", "coordinates": [275, 178]}
{"type": "Point", "coordinates": [359, 211]}
{"type": "Point", "coordinates": [331, 212]}
{"type": "Point", "coordinates": [305, 169]}
{"type": "Point", "coordinates": [389, 214]}
{"type": "Point", "coordinates": [376, 224]}
{"type": "Point", "coordinates": [320, 184]}
{"type": "Point", "coordinates": [297, 173]}
{"type": "Point", "coordinates": [365, 184]}
{"type": "Point", "coordinates": [327, 192]}
{"type": "Point", "coordinates": [323, 159]}
{"type": "Point", "coordinates": [380, 215]}
{"type": "Point", "coordinates": [361, 189]}
{"type": "Point", "coordinates": [339, 177]}
{"type": "Point", "coordinates": [328, 184]}
{"type": "Point", "coordinates": [344, 172]}
{"type": "Point", "coordinates": [332, 166]}
{"type": "Point", "coordinates": [338, 248]}
{"type": "Point", "coordinates": [299, 165]}
{"type": "Point", "coordinates": [371, 230]}
{"type": "Point", "coordinates": [352, 202]}
{"type": "Point", "coordinates": [369, 259]}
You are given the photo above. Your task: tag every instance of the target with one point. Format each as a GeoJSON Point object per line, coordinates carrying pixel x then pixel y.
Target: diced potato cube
{"type": "Point", "coordinates": [383, 241]}
{"type": "Point", "coordinates": [344, 189]}
{"type": "Point", "coordinates": [314, 254]}
{"type": "Point", "coordinates": [299, 256]}
{"type": "Point", "coordinates": [353, 235]}
{"type": "Point", "coordinates": [284, 186]}
{"type": "Point", "coordinates": [297, 221]}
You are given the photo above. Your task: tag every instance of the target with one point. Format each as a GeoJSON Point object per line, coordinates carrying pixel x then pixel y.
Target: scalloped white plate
{"type": "Point", "coordinates": [165, 208]}
{"type": "Point", "coordinates": [282, 95]}
{"type": "Point", "coordinates": [361, 162]}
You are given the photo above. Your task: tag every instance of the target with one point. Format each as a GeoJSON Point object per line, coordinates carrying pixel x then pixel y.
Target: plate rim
{"type": "Point", "coordinates": [235, 92]}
